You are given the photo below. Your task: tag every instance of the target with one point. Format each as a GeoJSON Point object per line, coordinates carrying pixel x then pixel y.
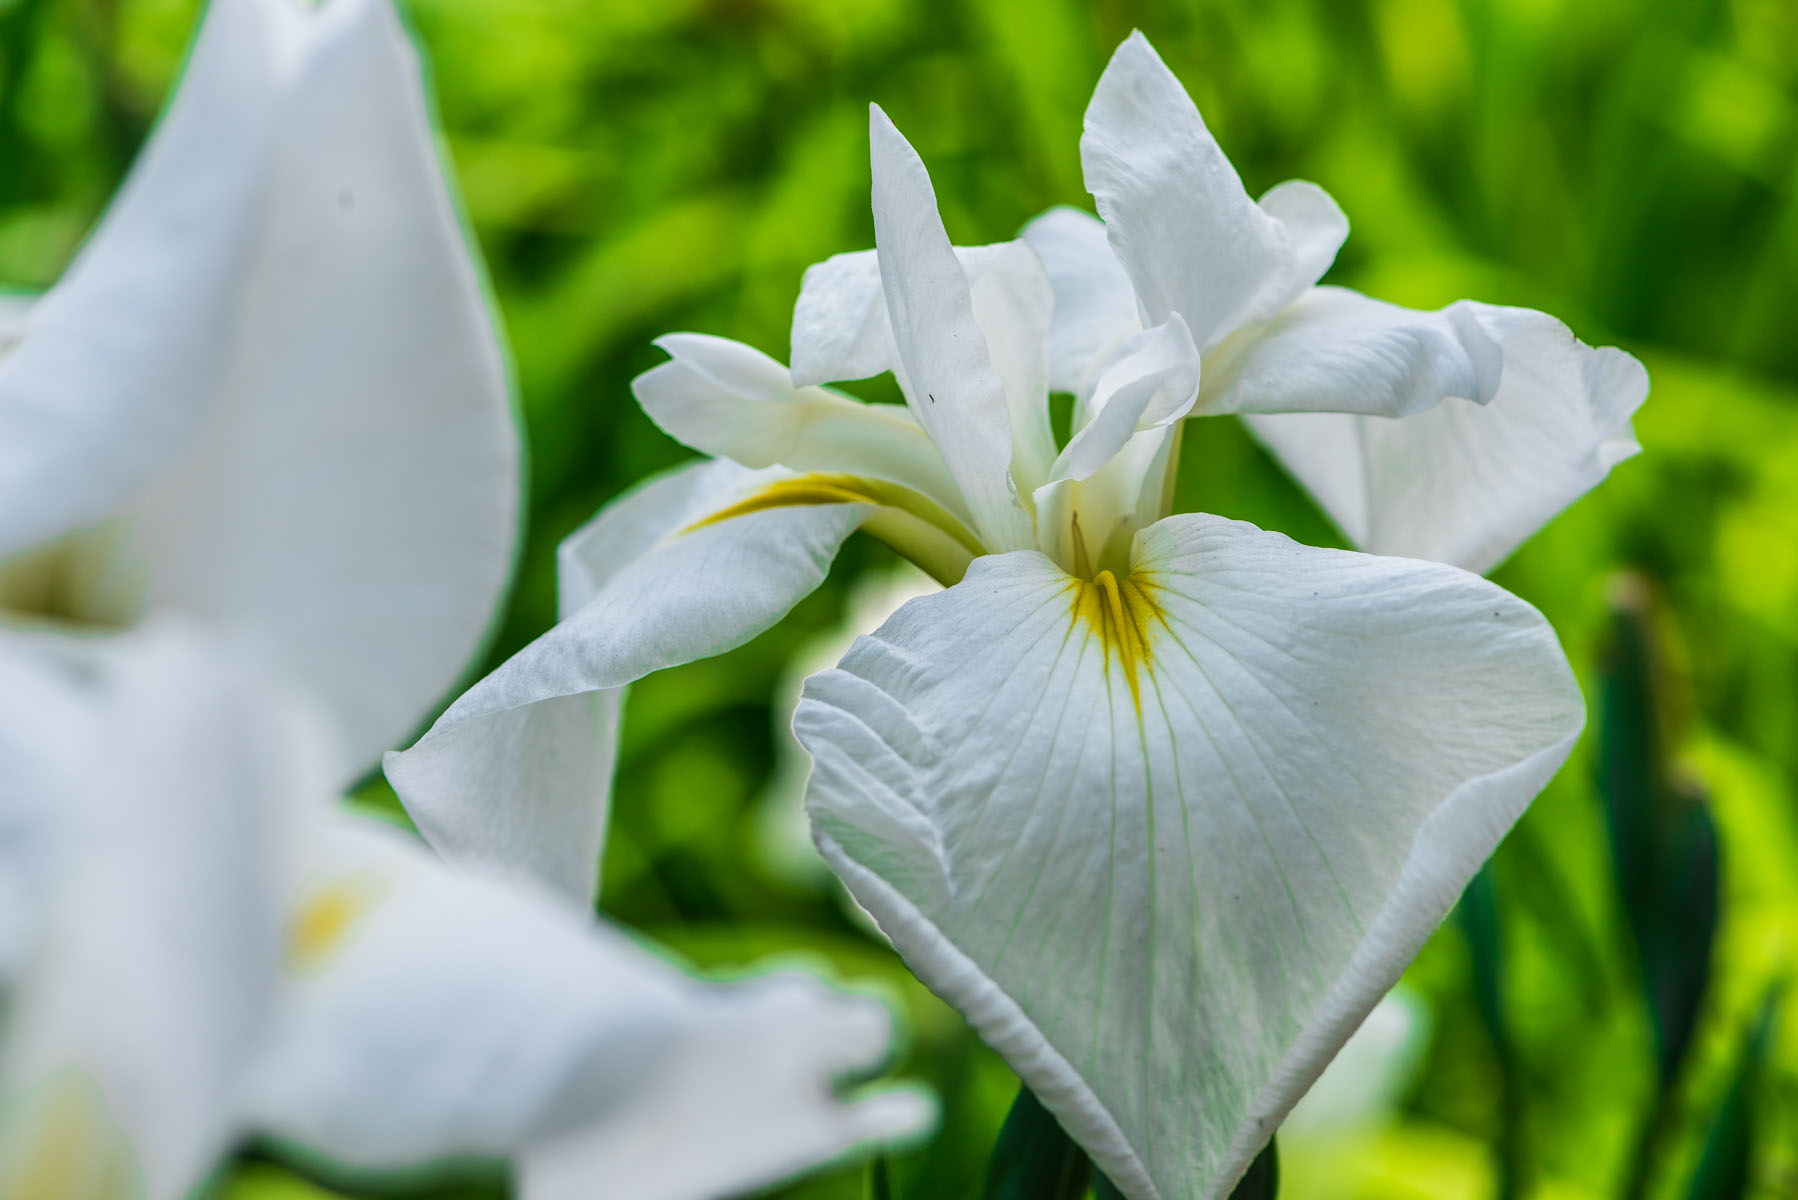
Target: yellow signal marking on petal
{"type": "Point", "coordinates": [841, 489]}
{"type": "Point", "coordinates": [907, 520]}
{"type": "Point", "coordinates": [324, 920]}
{"type": "Point", "coordinates": [1122, 614]}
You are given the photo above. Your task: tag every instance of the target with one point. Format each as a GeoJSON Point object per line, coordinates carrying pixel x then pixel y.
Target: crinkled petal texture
{"type": "Point", "coordinates": [273, 372]}
{"type": "Point", "coordinates": [1483, 452]}
{"type": "Point", "coordinates": [1167, 841]}
{"type": "Point", "coordinates": [168, 782]}
{"type": "Point", "coordinates": [433, 1012]}
{"type": "Point", "coordinates": [516, 771]}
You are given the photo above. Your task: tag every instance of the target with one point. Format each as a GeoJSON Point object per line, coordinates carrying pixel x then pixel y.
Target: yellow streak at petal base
{"type": "Point", "coordinates": [908, 521]}
{"type": "Point", "coordinates": [1123, 615]}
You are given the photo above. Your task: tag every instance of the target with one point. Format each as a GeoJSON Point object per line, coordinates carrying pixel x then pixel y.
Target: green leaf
{"type": "Point", "coordinates": [1726, 1165]}
{"type": "Point", "coordinates": [1663, 841]}
{"type": "Point", "coordinates": [880, 1179]}
{"type": "Point", "coordinates": [1262, 1180]}
{"type": "Point", "coordinates": [1478, 914]}
{"type": "Point", "coordinates": [1034, 1158]}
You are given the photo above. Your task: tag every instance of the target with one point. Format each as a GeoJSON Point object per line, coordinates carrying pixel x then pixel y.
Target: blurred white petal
{"type": "Point", "coordinates": [434, 1013]}
{"type": "Point", "coordinates": [272, 372]}
{"type": "Point", "coordinates": [149, 978]}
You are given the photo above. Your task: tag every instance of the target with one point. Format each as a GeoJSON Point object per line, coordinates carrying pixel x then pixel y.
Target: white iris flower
{"type": "Point", "coordinates": [1162, 802]}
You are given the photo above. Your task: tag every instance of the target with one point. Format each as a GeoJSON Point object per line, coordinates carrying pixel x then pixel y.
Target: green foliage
{"type": "Point", "coordinates": [1034, 1158]}
{"type": "Point", "coordinates": [632, 167]}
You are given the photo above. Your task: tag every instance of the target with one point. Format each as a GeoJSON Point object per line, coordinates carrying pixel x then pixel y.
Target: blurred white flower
{"type": "Point", "coordinates": [208, 946]}
{"type": "Point", "coordinates": [268, 394]}
{"type": "Point", "coordinates": [1163, 803]}
{"type": "Point", "coordinates": [258, 488]}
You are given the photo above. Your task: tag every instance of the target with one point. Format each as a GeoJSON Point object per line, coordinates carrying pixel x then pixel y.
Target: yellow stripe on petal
{"type": "Point", "coordinates": [910, 522]}
{"type": "Point", "coordinates": [1123, 615]}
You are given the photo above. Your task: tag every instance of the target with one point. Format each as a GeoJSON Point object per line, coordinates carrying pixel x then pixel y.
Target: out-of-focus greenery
{"type": "Point", "coordinates": [632, 167]}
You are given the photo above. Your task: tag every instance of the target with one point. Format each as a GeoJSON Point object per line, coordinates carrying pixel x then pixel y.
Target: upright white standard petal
{"type": "Point", "coordinates": [1153, 381]}
{"type": "Point", "coordinates": [273, 378]}
{"type": "Point", "coordinates": [841, 330]}
{"type": "Point", "coordinates": [517, 771]}
{"type": "Point", "coordinates": [1462, 481]}
{"type": "Point", "coordinates": [1013, 305]}
{"type": "Point", "coordinates": [945, 367]}
{"type": "Point", "coordinates": [151, 972]}
{"type": "Point", "coordinates": [1166, 838]}
{"type": "Point", "coordinates": [1095, 303]}
{"type": "Point", "coordinates": [1188, 235]}
{"type": "Point", "coordinates": [435, 1013]}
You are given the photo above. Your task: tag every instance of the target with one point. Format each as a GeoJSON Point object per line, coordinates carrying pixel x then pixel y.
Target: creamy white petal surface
{"type": "Point", "coordinates": [729, 400]}
{"type": "Point", "coordinates": [516, 772]}
{"type": "Point", "coordinates": [1166, 841]}
{"type": "Point", "coordinates": [151, 972]}
{"type": "Point", "coordinates": [1186, 232]}
{"type": "Point", "coordinates": [433, 1013]}
{"type": "Point", "coordinates": [1464, 482]}
{"type": "Point", "coordinates": [274, 375]}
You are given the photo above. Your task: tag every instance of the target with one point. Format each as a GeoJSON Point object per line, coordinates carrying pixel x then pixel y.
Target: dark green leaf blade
{"type": "Point", "coordinates": [1034, 1158]}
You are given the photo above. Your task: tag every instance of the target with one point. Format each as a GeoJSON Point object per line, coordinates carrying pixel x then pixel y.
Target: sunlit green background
{"type": "Point", "coordinates": [631, 168]}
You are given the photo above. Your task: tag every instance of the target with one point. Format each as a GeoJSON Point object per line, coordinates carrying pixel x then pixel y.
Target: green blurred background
{"type": "Point", "coordinates": [631, 168]}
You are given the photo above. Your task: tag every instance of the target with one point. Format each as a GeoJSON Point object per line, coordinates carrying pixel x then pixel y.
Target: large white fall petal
{"type": "Point", "coordinates": [268, 394]}
{"type": "Point", "coordinates": [1166, 840]}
